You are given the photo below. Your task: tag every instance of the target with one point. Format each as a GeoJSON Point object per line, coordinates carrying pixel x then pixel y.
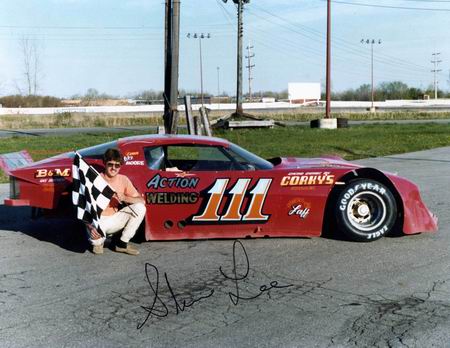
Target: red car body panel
{"type": "Point", "coordinates": [288, 200]}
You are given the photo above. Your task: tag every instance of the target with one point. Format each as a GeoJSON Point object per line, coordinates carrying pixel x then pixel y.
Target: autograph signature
{"type": "Point", "coordinates": [159, 308]}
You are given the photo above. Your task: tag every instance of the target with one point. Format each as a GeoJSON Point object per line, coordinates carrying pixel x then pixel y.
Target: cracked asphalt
{"type": "Point", "coordinates": [317, 292]}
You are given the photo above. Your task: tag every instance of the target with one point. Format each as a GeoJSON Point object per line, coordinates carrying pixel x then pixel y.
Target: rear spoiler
{"type": "Point", "coordinates": [14, 160]}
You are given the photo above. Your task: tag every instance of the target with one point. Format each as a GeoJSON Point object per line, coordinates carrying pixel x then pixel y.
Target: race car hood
{"type": "Point", "coordinates": [319, 162]}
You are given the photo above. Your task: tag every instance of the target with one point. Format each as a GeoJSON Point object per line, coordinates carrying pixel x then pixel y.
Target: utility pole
{"type": "Point", "coordinates": [200, 37]}
{"type": "Point", "coordinates": [435, 60]}
{"type": "Point", "coordinates": [218, 81]}
{"type": "Point", "coordinates": [371, 42]}
{"type": "Point", "coordinates": [171, 70]}
{"type": "Point", "coordinates": [240, 32]}
{"type": "Point", "coordinates": [249, 56]}
{"type": "Point", "coordinates": [328, 77]}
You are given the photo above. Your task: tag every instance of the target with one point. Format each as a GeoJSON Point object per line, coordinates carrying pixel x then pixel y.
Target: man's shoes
{"type": "Point", "coordinates": [97, 249]}
{"type": "Point", "coordinates": [128, 250]}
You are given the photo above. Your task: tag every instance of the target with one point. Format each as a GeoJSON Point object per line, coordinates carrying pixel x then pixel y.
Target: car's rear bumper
{"type": "Point", "coordinates": [16, 202]}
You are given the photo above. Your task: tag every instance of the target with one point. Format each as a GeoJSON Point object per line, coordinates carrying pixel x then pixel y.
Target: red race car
{"type": "Point", "coordinates": [204, 187]}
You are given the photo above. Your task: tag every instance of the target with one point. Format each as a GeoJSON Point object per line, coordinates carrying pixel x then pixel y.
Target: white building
{"type": "Point", "coordinates": [303, 92]}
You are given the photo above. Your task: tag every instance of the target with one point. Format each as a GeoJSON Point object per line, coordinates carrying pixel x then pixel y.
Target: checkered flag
{"type": "Point", "coordinates": [91, 193]}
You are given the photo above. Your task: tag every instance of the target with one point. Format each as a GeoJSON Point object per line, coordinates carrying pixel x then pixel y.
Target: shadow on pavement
{"type": "Point", "coordinates": [65, 233]}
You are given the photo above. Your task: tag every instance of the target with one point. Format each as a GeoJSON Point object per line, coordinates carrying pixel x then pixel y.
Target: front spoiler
{"type": "Point", "coordinates": [416, 216]}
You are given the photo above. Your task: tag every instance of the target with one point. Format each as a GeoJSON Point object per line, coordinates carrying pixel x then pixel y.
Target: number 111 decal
{"type": "Point", "coordinates": [236, 199]}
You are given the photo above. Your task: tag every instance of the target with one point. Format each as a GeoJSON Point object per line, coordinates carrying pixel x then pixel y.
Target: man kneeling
{"type": "Point", "coordinates": [114, 218]}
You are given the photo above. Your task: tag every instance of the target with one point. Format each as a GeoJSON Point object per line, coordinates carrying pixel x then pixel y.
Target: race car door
{"type": "Point", "coordinates": [202, 191]}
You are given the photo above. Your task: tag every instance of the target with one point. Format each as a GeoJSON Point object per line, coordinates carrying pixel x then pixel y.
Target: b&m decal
{"type": "Point", "coordinates": [235, 198]}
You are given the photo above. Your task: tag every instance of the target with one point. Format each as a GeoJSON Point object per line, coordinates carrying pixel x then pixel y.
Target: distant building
{"type": "Point", "coordinates": [303, 92]}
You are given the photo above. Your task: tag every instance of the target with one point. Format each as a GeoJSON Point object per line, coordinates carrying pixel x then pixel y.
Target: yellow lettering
{"type": "Point", "coordinates": [294, 180]}
{"type": "Point", "coordinates": [303, 180]}
{"type": "Point", "coordinates": [41, 173]}
{"type": "Point", "coordinates": [330, 179]}
{"type": "Point", "coordinates": [312, 180]}
{"type": "Point", "coordinates": [285, 181]}
{"type": "Point", "coordinates": [59, 172]}
{"type": "Point", "coordinates": [321, 179]}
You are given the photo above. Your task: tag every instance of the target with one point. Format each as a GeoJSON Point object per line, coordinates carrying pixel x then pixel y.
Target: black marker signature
{"type": "Point", "coordinates": [160, 309]}
{"type": "Point", "coordinates": [235, 297]}
{"type": "Point", "coordinates": [164, 311]}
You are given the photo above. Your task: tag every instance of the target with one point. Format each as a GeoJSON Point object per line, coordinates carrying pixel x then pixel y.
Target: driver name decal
{"type": "Point", "coordinates": [234, 199]}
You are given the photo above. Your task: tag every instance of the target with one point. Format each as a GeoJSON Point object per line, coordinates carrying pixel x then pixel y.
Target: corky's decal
{"type": "Point", "coordinates": [241, 203]}
{"type": "Point", "coordinates": [308, 178]}
{"type": "Point", "coordinates": [161, 182]}
{"type": "Point", "coordinates": [50, 173]}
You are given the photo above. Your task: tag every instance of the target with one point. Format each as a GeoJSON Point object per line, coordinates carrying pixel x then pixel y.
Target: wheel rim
{"type": "Point", "coordinates": [366, 211]}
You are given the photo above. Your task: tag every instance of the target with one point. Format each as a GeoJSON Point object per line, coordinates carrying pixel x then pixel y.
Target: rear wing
{"type": "Point", "coordinates": [14, 160]}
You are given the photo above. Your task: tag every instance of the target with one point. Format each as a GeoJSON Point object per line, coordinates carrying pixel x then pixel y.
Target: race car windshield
{"type": "Point", "coordinates": [247, 158]}
{"type": "Point", "coordinates": [97, 151]}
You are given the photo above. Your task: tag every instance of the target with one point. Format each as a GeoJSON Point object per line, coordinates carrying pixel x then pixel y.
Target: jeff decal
{"type": "Point", "coordinates": [161, 182]}
{"type": "Point", "coordinates": [50, 173]}
{"type": "Point", "coordinates": [240, 203]}
{"type": "Point", "coordinates": [299, 208]}
{"type": "Point", "coordinates": [308, 178]}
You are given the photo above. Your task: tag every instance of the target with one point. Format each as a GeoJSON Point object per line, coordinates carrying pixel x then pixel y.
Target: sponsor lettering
{"type": "Point", "coordinates": [306, 179]}
{"type": "Point", "coordinates": [161, 182]}
{"type": "Point", "coordinates": [365, 186]}
{"type": "Point", "coordinates": [377, 234]}
{"type": "Point", "coordinates": [172, 197]}
{"type": "Point", "coordinates": [235, 196]}
{"type": "Point", "coordinates": [129, 156]}
{"type": "Point", "coordinates": [134, 163]}
{"type": "Point", "coordinates": [300, 211]}
{"type": "Point", "coordinates": [48, 173]}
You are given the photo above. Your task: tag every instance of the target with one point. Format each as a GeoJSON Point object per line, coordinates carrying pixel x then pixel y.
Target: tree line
{"type": "Point", "coordinates": [384, 91]}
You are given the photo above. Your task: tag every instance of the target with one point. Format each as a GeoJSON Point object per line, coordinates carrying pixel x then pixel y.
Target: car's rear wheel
{"type": "Point", "coordinates": [366, 210]}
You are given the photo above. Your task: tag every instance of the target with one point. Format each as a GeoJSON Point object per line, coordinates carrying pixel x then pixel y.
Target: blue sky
{"type": "Point", "coordinates": [117, 46]}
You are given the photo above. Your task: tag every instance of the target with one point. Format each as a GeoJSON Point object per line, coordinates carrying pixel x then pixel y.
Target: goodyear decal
{"type": "Point", "coordinates": [308, 178]}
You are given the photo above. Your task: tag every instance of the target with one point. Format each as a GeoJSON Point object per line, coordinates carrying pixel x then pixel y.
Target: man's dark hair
{"type": "Point", "coordinates": [112, 155]}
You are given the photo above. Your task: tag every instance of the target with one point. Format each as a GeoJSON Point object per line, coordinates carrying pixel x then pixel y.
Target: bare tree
{"type": "Point", "coordinates": [31, 64]}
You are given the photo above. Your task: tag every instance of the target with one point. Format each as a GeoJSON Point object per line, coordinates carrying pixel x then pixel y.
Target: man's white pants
{"type": "Point", "coordinates": [128, 219]}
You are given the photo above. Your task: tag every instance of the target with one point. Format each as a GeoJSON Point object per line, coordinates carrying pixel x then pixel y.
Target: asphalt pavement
{"type": "Point", "coordinates": [299, 292]}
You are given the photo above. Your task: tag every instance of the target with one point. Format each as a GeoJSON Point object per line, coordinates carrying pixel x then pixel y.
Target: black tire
{"type": "Point", "coordinates": [365, 210]}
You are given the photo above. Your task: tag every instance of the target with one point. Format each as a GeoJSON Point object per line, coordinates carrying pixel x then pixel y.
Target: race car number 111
{"type": "Point", "coordinates": [237, 193]}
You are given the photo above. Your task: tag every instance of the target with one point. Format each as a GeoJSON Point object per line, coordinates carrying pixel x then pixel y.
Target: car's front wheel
{"type": "Point", "coordinates": [366, 210]}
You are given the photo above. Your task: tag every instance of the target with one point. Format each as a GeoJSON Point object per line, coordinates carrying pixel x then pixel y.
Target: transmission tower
{"type": "Point", "coordinates": [240, 34]}
{"type": "Point", "coordinates": [250, 66]}
{"type": "Point", "coordinates": [435, 60]}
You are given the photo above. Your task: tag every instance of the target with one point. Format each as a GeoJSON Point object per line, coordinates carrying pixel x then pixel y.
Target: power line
{"type": "Point", "coordinates": [389, 6]}
{"type": "Point", "coordinates": [250, 66]}
{"type": "Point", "coordinates": [435, 61]}
{"type": "Point", "coordinates": [344, 44]}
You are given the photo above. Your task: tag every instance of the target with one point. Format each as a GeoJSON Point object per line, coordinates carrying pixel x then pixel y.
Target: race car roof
{"type": "Point", "coordinates": [175, 139]}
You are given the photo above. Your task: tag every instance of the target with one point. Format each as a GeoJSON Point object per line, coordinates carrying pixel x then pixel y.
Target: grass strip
{"type": "Point", "coordinates": [350, 143]}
